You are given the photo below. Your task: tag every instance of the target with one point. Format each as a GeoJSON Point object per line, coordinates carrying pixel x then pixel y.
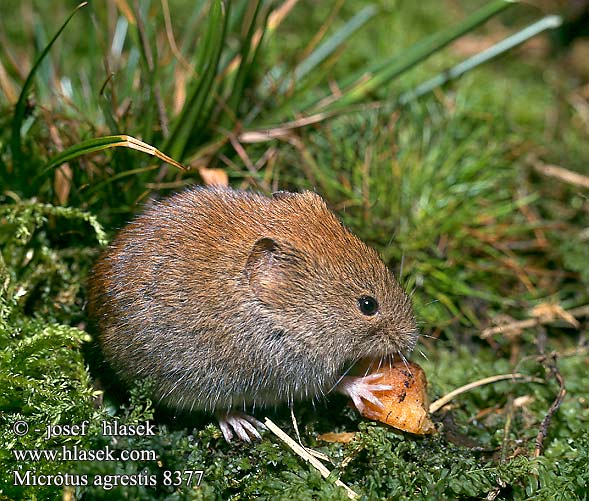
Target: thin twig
{"type": "Point", "coordinates": [562, 174]}
{"type": "Point", "coordinates": [550, 362]}
{"type": "Point", "coordinates": [438, 404]}
{"type": "Point", "coordinates": [300, 450]}
{"type": "Point", "coordinates": [239, 149]}
{"type": "Point", "coordinates": [317, 454]}
{"type": "Point", "coordinates": [172, 41]}
{"type": "Point", "coordinates": [284, 131]}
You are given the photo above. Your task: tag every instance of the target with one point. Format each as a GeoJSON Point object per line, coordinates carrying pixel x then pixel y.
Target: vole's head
{"type": "Point", "coordinates": [326, 289]}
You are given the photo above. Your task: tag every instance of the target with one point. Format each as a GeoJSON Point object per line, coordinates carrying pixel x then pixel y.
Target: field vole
{"type": "Point", "coordinates": [233, 300]}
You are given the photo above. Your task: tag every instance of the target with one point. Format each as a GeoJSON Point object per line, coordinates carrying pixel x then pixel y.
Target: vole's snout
{"type": "Point", "coordinates": [400, 330]}
{"type": "Point", "coordinates": [400, 340]}
{"type": "Point", "coordinates": [404, 326]}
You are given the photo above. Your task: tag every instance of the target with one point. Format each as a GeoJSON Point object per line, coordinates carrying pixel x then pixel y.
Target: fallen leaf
{"type": "Point", "coordinates": [337, 438]}
{"type": "Point", "coordinates": [213, 177]}
{"type": "Point", "coordinates": [551, 311]}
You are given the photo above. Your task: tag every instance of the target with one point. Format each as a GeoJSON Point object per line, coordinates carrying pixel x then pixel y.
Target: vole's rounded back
{"type": "Point", "coordinates": [230, 299]}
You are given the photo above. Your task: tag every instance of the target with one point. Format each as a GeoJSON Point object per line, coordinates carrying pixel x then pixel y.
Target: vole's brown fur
{"type": "Point", "coordinates": [231, 299]}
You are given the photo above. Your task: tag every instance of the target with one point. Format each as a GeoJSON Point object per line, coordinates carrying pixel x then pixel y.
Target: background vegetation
{"type": "Point", "coordinates": [478, 189]}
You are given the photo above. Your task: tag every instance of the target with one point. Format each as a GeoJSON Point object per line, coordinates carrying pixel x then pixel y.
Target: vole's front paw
{"type": "Point", "coordinates": [242, 424]}
{"type": "Point", "coordinates": [362, 388]}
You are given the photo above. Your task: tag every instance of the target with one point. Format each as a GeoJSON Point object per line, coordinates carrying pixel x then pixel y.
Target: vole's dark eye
{"type": "Point", "coordinates": [368, 305]}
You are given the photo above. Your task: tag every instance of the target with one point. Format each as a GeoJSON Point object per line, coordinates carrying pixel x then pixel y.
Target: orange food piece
{"type": "Point", "coordinates": [406, 405]}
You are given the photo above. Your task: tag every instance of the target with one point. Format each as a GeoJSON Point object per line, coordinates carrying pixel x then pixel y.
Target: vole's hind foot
{"type": "Point", "coordinates": [362, 388]}
{"type": "Point", "coordinates": [244, 426]}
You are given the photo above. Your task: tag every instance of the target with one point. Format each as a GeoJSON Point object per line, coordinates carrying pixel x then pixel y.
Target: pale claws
{"type": "Point", "coordinates": [243, 425]}
{"type": "Point", "coordinates": [361, 388]}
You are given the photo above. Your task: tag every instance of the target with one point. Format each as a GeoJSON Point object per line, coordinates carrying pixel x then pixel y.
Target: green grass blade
{"type": "Point", "coordinates": [140, 33]}
{"type": "Point", "coordinates": [318, 57]}
{"type": "Point", "coordinates": [546, 23]}
{"type": "Point", "coordinates": [192, 26]}
{"type": "Point", "coordinates": [244, 69]}
{"type": "Point", "coordinates": [83, 148]}
{"type": "Point", "coordinates": [99, 187]}
{"type": "Point", "coordinates": [19, 111]}
{"type": "Point", "coordinates": [290, 94]}
{"type": "Point", "coordinates": [383, 73]}
{"type": "Point", "coordinates": [207, 63]}
{"type": "Point", "coordinates": [207, 97]}
{"type": "Point", "coordinates": [103, 143]}
{"type": "Point", "coordinates": [333, 43]}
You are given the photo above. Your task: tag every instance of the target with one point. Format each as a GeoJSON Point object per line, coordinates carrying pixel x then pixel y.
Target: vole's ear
{"type": "Point", "coordinates": [267, 265]}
